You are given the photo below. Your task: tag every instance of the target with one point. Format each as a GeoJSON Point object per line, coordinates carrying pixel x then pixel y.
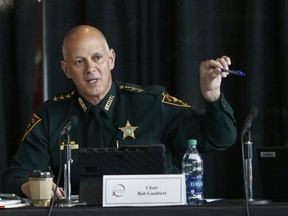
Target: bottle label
{"type": "Point", "coordinates": [194, 186]}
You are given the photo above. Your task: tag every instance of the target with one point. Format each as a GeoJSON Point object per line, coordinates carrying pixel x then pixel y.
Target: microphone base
{"type": "Point", "coordinates": [68, 203]}
{"type": "Point", "coordinates": [259, 202]}
{"type": "Point", "coordinates": [250, 201]}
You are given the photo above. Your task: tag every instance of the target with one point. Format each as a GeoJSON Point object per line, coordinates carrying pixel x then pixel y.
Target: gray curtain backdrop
{"type": "Point", "coordinates": [157, 42]}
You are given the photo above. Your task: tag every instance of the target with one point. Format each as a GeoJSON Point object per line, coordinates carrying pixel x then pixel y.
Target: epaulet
{"type": "Point", "coordinates": [134, 88]}
{"type": "Point", "coordinates": [153, 89]}
{"type": "Point", "coordinates": [62, 97]}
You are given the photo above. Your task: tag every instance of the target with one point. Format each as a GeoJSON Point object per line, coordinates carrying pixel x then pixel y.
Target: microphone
{"type": "Point", "coordinates": [248, 122]}
{"type": "Point", "coordinates": [71, 123]}
{"type": "Point", "coordinates": [247, 157]}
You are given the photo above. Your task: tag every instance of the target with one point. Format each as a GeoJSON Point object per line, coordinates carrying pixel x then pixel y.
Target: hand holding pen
{"type": "Point", "coordinates": [225, 60]}
{"type": "Point", "coordinates": [210, 81]}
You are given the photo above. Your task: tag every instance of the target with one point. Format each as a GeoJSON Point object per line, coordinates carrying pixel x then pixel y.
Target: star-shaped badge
{"type": "Point", "coordinates": [128, 130]}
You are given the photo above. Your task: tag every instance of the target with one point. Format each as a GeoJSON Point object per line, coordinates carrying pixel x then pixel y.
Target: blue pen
{"type": "Point", "coordinates": [235, 72]}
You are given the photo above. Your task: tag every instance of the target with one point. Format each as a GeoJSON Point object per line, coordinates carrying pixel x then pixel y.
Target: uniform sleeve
{"type": "Point", "coordinates": [32, 154]}
{"type": "Point", "coordinates": [219, 130]}
{"type": "Point", "coordinates": [214, 128]}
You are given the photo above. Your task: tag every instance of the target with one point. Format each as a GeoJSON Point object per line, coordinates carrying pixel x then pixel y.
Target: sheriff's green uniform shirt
{"type": "Point", "coordinates": [131, 115]}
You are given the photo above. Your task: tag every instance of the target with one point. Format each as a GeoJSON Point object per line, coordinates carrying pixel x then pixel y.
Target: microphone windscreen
{"type": "Point", "coordinates": [74, 120]}
{"type": "Point", "coordinates": [254, 111]}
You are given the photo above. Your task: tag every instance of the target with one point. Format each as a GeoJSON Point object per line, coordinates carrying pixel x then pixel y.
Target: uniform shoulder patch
{"type": "Point", "coordinates": [34, 121]}
{"type": "Point", "coordinates": [168, 99]}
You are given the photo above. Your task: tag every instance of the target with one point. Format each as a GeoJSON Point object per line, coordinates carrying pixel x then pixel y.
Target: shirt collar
{"type": "Point", "coordinates": [107, 104]}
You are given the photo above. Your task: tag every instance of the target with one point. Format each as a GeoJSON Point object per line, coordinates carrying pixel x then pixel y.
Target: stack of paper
{"type": "Point", "coordinates": [13, 203]}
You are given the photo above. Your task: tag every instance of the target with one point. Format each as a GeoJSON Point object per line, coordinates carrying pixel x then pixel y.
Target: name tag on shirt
{"type": "Point", "coordinates": [143, 190]}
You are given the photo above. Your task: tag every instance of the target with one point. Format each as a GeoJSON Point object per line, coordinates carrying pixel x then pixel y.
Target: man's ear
{"type": "Point", "coordinates": [112, 57]}
{"type": "Point", "coordinates": [65, 69]}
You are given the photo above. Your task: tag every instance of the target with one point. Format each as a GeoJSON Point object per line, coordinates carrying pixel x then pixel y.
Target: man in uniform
{"type": "Point", "coordinates": [127, 113]}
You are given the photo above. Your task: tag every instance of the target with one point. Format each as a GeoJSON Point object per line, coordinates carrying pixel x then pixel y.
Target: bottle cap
{"type": "Point", "coordinates": [40, 174]}
{"type": "Point", "coordinates": [192, 142]}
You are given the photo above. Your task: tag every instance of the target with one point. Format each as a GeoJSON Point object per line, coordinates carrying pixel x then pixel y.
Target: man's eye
{"type": "Point", "coordinates": [78, 62]}
{"type": "Point", "coordinates": [97, 58]}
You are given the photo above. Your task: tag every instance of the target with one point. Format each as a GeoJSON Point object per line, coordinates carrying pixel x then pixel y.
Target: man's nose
{"type": "Point", "coordinates": [91, 66]}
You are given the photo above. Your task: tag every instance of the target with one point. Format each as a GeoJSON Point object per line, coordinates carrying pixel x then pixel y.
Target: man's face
{"type": "Point", "coordinates": [88, 62]}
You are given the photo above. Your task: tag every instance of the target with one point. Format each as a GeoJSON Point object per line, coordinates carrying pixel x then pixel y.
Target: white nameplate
{"type": "Point", "coordinates": [143, 190]}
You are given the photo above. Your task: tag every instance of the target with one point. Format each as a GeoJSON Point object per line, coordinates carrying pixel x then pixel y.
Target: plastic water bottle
{"type": "Point", "coordinates": [192, 167]}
